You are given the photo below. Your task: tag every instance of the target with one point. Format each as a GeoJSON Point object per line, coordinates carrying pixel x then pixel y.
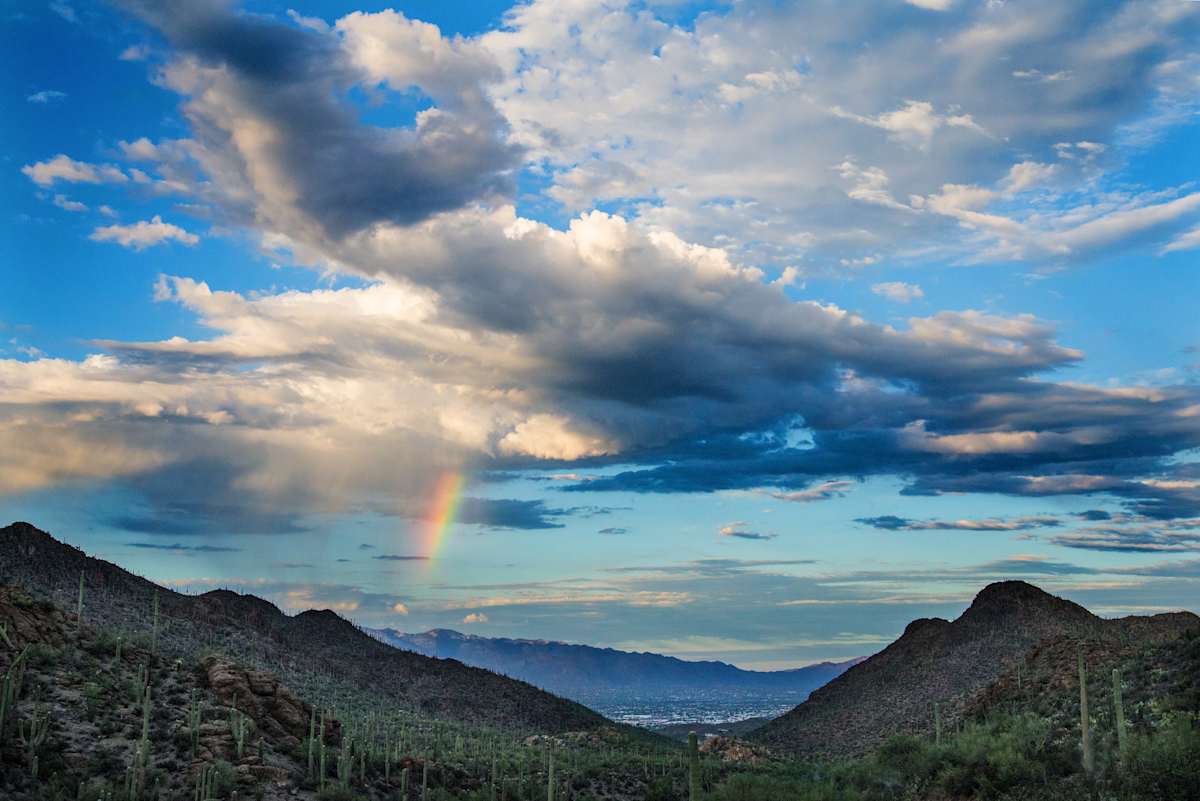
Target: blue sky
{"type": "Point", "coordinates": [753, 330]}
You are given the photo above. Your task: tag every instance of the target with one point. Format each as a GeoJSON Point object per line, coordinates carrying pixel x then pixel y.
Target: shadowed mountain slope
{"type": "Point", "coordinates": [952, 664]}
{"type": "Point", "coordinates": [311, 646]}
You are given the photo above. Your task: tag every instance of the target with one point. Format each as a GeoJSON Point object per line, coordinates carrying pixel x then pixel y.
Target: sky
{"type": "Point", "coordinates": [730, 330]}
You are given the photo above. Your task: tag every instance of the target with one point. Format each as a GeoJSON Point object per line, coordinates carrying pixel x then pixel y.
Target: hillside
{"type": "Point", "coordinates": [605, 675]}
{"type": "Point", "coordinates": [301, 649]}
{"type": "Point", "coordinates": [956, 664]}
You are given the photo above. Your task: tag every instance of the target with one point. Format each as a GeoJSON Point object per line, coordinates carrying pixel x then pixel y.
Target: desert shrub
{"type": "Point", "coordinates": [1162, 766]}
{"type": "Point", "coordinates": [989, 760]}
{"type": "Point", "coordinates": [661, 789]}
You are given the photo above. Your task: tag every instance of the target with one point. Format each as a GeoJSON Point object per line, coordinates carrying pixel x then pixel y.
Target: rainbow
{"type": "Point", "coordinates": [447, 492]}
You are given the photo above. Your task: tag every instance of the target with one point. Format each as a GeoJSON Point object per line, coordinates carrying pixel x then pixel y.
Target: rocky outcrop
{"type": "Point", "coordinates": [731, 749]}
{"type": "Point", "coordinates": [276, 711]}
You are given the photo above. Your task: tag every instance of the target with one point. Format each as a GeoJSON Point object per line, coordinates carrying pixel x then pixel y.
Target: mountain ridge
{"type": "Point", "coordinates": [609, 677]}
{"type": "Point", "coordinates": [313, 642]}
{"type": "Point", "coordinates": [950, 664]}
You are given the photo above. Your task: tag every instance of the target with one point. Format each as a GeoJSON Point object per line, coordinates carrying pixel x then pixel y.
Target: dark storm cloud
{"type": "Point", "coordinates": [393, 557]}
{"type": "Point", "coordinates": [1025, 438]}
{"type": "Point", "coordinates": [341, 174]}
{"type": "Point", "coordinates": [509, 513]}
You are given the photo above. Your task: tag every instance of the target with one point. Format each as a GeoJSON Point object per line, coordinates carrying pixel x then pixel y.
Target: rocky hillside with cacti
{"type": "Point", "coordinates": [940, 673]}
{"type": "Point", "coordinates": [93, 713]}
{"type": "Point", "coordinates": [114, 689]}
{"type": "Point", "coordinates": [302, 649]}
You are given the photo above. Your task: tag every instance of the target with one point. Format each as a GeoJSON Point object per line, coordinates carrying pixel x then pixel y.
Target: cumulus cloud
{"type": "Point", "coordinates": [475, 617]}
{"type": "Point", "coordinates": [736, 177]}
{"type": "Point", "coordinates": [473, 336]}
{"type": "Point", "coordinates": [66, 169]}
{"type": "Point", "coordinates": [271, 114]}
{"type": "Point", "coordinates": [66, 204]}
{"type": "Point", "coordinates": [144, 234]}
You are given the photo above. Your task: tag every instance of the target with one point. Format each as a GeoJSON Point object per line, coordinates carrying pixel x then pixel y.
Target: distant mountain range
{"type": "Point", "coordinates": [1014, 641]}
{"type": "Point", "coordinates": [596, 675]}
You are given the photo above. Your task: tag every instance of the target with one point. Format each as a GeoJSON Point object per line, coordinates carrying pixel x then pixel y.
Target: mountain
{"type": "Point", "coordinates": [606, 678]}
{"type": "Point", "coordinates": [1006, 632]}
{"type": "Point", "coordinates": [314, 650]}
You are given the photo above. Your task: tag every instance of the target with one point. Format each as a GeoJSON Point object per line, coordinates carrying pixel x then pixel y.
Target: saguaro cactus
{"type": "Point", "coordinates": [1119, 712]}
{"type": "Point", "coordinates": [39, 724]}
{"type": "Point", "coordinates": [10, 689]}
{"type": "Point", "coordinates": [194, 717]}
{"type": "Point", "coordinates": [239, 726]}
{"type": "Point", "coordinates": [79, 603]}
{"type": "Point", "coordinates": [550, 779]}
{"type": "Point", "coordinates": [1085, 728]}
{"type": "Point", "coordinates": [693, 767]}
{"type": "Point", "coordinates": [154, 636]}
{"type": "Point", "coordinates": [206, 783]}
{"type": "Point", "coordinates": [312, 738]}
{"type": "Point", "coordinates": [937, 724]}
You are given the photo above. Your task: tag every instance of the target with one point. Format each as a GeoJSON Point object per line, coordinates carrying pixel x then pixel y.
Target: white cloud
{"type": "Point", "coordinates": [1188, 240]}
{"type": "Point", "coordinates": [400, 608]}
{"type": "Point", "coordinates": [135, 53]}
{"type": "Point", "coordinates": [932, 5]}
{"type": "Point", "coordinates": [914, 123]}
{"type": "Point", "coordinates": [144, 234]}
{"type": "Point", "coordinates": [821, 492]}
{"type": "Point", "coordinates": [66, 169]}
{"type": "Point", "coordinates": [898, 291]}
{"type": "Point", "coordinates": [475, 617]}
{"type": "Point", "coordinates": [64, 10]}
{"type": "Point", "coordinates": [46, 96]}
{"type": "Point", "coordinates": [66, 204]}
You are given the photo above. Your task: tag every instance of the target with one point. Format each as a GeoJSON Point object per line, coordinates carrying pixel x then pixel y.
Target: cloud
{"type": "Point", "coordinates": [1140, 536]}
{"type": "Point", "coordinates": [509, 513]}
{"type": "Point", "coordinates": [63, 168]}
{"type": "Point", "coordinates": [893, 523]}
{"type": "Point", "coordinates": [467, 336]}
{"type": "Point", "coordinates": [1028, 76]}
{"type": "Point", "coordinates": [821, 492]}
{"type": "Point", "coordinates": [144, 234]}
{"type": "Point", "coordinates": [179, 548]}
{"type": "Point", "coordinates": [66, 204]}
{"type": "Point", "coordinates": [46, 96]}
{"type": "Point", "coordinates": [1188, 240]}
{"type": "Point", "coordinates": [614, 530]}
{"type": "Point", "coordinates": [65, 11]}
{"type": "Point", "coordinates": [475, 617]}
{"type": "Point", "coordinates": [270, 109]}
{"type": "Point", "coordinates": [391, 557]}
{"type": "Point", "coordinates": [739, 531]}
{"type": "Point", "coordinates": [915, 123]}
{"type": "Point", "coordinates": [135, 53]}
{"type": "Point", "coordinates": [400, 608]}
{"type": "Point", "coordinates": [898, 291]}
